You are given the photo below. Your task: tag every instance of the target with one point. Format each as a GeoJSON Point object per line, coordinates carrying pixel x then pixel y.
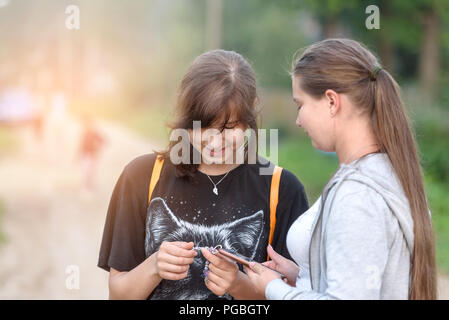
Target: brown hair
{"type": "Point", "coordinates": [346, 66]}
{"type": "Point", "coordinates": [217, 85]}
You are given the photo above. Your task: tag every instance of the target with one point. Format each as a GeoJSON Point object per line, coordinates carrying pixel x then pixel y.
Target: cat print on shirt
{"type": "Point", "coordinates": [240, 236]}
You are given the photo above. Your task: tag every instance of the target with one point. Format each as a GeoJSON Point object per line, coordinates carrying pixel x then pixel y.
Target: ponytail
{"type": "Point", "coordinates": [392, 129]}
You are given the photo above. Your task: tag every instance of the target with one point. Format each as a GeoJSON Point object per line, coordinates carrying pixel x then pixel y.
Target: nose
{"type": "Point", "coordinates": [216, 141]}
{"type": "Point", "coordinates": [298, 122]}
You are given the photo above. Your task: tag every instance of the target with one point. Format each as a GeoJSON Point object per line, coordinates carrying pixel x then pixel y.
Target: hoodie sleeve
{"type": "Point", "coordinates": [356, 248]}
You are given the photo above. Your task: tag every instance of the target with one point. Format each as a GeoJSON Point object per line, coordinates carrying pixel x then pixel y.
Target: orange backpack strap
{"type": "Point", "coordinates": [157, 168]}
{"type": "Point", "coordinates": [274, 197]}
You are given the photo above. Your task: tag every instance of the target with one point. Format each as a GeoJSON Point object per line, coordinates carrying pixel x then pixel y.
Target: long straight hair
{"type": "Point", "coordinates": [347, 66]}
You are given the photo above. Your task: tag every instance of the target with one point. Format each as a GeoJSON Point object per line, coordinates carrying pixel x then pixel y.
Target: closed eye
{"type": "Point", "coordinates": [231, 125]}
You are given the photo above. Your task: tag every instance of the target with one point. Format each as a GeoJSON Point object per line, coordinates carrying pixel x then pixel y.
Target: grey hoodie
{"type": "Point", "coordinates": [362, 237]}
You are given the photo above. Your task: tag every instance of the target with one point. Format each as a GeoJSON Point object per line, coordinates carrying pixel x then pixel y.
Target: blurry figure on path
{"type": "Point", "coordinates": [91, 143]}
{"type": "Point", "coordinates": [38, 119]}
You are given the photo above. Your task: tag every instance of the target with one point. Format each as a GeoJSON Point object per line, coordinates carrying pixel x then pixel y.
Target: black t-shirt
{"type": "Point", "coordinates": [238, 218]}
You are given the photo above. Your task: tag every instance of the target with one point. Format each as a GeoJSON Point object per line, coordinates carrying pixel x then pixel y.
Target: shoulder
{"type": "Point", "coordinates": [140, 167]}
{"type": "Point", "coordinates": [289, 184]}
{"type": "Point", "coordinates": [289, 180]}
{"type": "Point", "coordinates": [356, 199]}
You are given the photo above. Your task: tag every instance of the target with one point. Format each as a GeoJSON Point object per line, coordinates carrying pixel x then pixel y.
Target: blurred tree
{"type": "Point", "coordinates": [429, 58]}
{"type": "Point", "coordinates": [409, 41]}
{"type": "Point", "coordinates": [267, 33]}
{"type": "Point", "coordinates": [214, 24]}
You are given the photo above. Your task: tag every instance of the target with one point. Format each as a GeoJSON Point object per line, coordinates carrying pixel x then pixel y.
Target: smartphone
{"type": "Point", "coordinates": [244, 260]}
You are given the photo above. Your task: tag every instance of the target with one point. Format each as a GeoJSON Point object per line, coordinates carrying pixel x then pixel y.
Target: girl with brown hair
{"type": "Point", "coordinates": [156, 239]}
{"type": "Point", "coordinates": [370, 232]}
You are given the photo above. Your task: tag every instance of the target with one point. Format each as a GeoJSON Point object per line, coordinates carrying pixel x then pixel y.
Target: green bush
{"type": "Point", "coordinates": [439, 206]}
{"type": "Point", "coordinates": [313, 168]}
{"type": "Point", "coordinates": [433, 139]}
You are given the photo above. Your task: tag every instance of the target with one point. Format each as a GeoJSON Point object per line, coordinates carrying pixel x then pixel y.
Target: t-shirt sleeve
{"type": "Point", "coordinates": [122, 246]}
{"type": "Point", "coordinates": [291, 204]}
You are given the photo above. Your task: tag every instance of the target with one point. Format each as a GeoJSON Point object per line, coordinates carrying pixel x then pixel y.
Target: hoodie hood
{"type": "Point", "coordinates": [370, 171]}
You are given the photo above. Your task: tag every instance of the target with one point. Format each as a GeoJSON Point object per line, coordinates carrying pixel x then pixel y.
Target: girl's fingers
{"type": "Point", "coordinates": [218, 260]}
{"type": "Point", "coordinates": [224, 269]}
{"type": "Point", "coordinates": [212, 286]}
{"type": "Point", "coordinates": [270, 264]}
{"type": "Point", "coordinates": [173, 276]}
{"type": "Point", "coordinates": [219, 272]}
{"type": "Point", "coordinates": [273, 254]}
{"type": "Point", "coordinates": [220, 282]}
{"type": "Point", "coordinates": [182, 244]}
{"type": "Point", "coordinates": [209, 256]}
{"type": "Point", "coordinates": [177, 251]}
{"type": "Point", "coordinates": [250, 273]}
{"type": "Point", "coordinates": [173, 268]}
{"type": "Point", "coordinates": [181, 261]}
{"type": "Point", "coordinates": [256, 267]}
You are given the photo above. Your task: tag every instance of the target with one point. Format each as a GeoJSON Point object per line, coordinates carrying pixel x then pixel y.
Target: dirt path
{"type": "Point", "coordinates": [52, 224]}
{"type": "Point", "coordinates": [443, 287]}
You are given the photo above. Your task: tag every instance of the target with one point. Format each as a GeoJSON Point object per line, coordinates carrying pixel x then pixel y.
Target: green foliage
{"type": "Point", "coordinates": [433, 138]}
{"type": "Point", "coordinates": [313, 168]}
{"type": "Point", "coordinates": [437, 194]}
{"type": "Point", "coordinates": [266, 34]}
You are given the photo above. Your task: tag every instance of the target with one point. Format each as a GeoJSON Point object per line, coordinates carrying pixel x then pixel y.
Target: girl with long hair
{"type": "Point", "coordinates": [370, 232]}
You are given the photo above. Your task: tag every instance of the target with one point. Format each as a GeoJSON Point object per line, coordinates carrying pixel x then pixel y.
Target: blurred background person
{"type": "Point", "coordinates": [91, 143]}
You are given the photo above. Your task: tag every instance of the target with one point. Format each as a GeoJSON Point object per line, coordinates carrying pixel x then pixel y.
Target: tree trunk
{"type": "Point", "coordinates": [386, 48]}
{"type": "Point", "coordinates": [330, 27]}
{"type": "Point", "coordinates": [429, 59]}
{"type": "Point", "coordinates": [214, 24]}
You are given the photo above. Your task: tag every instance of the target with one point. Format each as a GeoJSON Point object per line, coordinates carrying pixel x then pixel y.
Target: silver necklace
{"type": "Point", "coordinates": [215, 189]}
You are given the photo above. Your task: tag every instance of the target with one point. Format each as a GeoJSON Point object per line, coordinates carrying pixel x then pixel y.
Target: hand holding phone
{"type": "Point", "coordinates": [244, 260]}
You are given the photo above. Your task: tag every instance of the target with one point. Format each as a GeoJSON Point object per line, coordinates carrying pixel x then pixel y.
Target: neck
{"type": "Point", "coordinates": [350, 146]}
{"type": "Point", "coordinates": [216, 169]}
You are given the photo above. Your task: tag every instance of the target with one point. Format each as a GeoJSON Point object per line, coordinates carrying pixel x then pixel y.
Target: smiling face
{"type": "Point", "coordinates": [219, 142]}
{"type": "Point", "coordinates": [314, 117]}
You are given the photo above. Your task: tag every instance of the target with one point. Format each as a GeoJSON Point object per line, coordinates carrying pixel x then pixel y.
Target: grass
{"type": "Point", "coordinates": [439, 206]}
{"type": "Point", "coordinates": [313, 168]}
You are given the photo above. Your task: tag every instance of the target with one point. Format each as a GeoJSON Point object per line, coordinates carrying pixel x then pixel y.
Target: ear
{"type": "Point", "coordinates": [334, 102]}
{"type": "Point", "coordinates": [256, 102]}
{"type": "Point", "coordinates": [160, 222]}
{"type": "Point", "coordinates": [246, 233]}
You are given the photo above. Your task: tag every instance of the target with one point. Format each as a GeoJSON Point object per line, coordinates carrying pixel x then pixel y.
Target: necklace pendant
{"type": "Point", "coordinates": [215, 190]}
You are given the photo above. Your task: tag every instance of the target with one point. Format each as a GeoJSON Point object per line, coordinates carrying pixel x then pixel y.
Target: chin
{"type": "Point", "coordinates": [218, 159]}
{"type": "Point", "coordinates": [322, 147]}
